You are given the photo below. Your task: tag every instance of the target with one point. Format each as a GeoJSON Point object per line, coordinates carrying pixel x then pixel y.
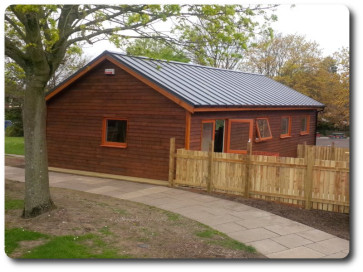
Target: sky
{"type": "Point", "coordinates": [326, 24]}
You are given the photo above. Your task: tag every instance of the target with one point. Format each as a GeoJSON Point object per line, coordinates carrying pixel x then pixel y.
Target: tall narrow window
{"type": "Point", "coordinates": [305, 125]}
{"type": "Point", "coordinates": [263, 129]}
{"type": "Point", "coordinates": [285, 127]}
{"type": "Point", "coordinates": [114, 132]}
{"type": "Point", "coordinates": [208, 128]}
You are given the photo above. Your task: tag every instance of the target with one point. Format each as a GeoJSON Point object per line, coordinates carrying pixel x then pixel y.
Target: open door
{"type": "Point", "coordinates": [208, 129]}
{"type": "Point", "coordinates": [239, 134]}
{"type": "Point", "coordinates": [213, 130]}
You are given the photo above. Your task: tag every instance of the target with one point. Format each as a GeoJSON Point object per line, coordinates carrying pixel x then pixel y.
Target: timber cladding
{"type": "Point", "coordinates": [75, 118]}
{"type": "Point", "coordinates": [285, 146]}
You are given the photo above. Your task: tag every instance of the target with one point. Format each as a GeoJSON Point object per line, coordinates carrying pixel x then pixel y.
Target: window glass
{"type": "Point", "coordinates": [207, 135]}
{"type": "Point", "coordinates": [285, 126]}
{"type": "Point", "coordinates": [116, 131]}
{"type": "Point", "coordinates": [305, 124]}
{"type": "Point", "coordinates": [263, 128]}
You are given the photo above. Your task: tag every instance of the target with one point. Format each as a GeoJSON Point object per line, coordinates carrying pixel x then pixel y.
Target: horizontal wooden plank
{"type": "Point", "coordinates": [105, 175]}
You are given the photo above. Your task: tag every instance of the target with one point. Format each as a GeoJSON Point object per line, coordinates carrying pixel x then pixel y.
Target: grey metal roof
{"type": "Point", "coordinates": [202, 86]}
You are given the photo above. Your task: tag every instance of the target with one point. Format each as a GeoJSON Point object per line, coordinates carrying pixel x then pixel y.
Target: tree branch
{"type": "Point", "coordinates": [15, 26]}
{"type": "Point", "coordinates": [13, 52]}
{"type": "Point", "coordinates": [44, 25]}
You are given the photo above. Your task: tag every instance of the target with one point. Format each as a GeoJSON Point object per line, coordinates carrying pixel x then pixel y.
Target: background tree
{"type": "Point", "coordinates": [37, 39]}
{"type": "Point", "coordinates": [343, 69]}
{"type": "Point", "coordinates": [300, 65]}
{"type": "Point", "coordinates": [72, 62]}
{"type": "Point", "coordinates": [156, 49]}
{"type": "Point", "coordinates": [14, 98]}
{"type": "Point", "coordinates": [280, 55]}
{"type": "Point", "coordinates": [222, 34]}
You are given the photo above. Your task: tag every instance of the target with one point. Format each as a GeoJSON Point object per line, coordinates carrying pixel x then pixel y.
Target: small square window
{"type": "Point", "coordinates": [114, 132]}
{"type": "Point", "coordinates": [305, 125]}
{"type": "Point", "coordinates": [263, 129]}
{"type": "Point", "coordinates": [285, 127]}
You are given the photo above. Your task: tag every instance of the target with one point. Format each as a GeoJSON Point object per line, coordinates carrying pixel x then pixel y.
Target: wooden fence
{"type": "Point", "coordinates": [326, 152]}
{"type": "Point", "coordinates": [307, 182]}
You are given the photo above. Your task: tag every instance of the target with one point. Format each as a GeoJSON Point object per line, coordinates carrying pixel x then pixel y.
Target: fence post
{"type": "Point", "coordinates": [248, 169]}
{"type": "Point", "coordinates": [210, 167]}
{"type": "Point", "coordinates": [171, 162]}
{"type": "Point", "coordinates": [308, 182]}
{"type": "Point", "coordinates": [332, 151]}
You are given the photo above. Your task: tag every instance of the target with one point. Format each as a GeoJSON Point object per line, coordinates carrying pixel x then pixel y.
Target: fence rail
{"type": "Point", "coordinates": [307, 182]}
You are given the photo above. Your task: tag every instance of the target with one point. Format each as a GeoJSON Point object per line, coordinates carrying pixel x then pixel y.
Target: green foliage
{"type": "Point", "coordinates": [223, 240]}
{"type": "Point", "coordinates": [16, 235]}
{"type": "Point", "coordinates": [15, 116]}
{"type": "Point", "coordinates": [300, 65]}
{"type": "Point", "coordinates": [280, 55]}
{"type": "Point", "coordinates": [220, 36]}
{"type": "Point", "coordinates": [105, 230]}
{"type": "Point", "coordinates": [13, 73]}
{"type": "Point", "coordinates": [14, 95]}
{"type": "Point", "coordinates": [73, 61]}
{"type": "Point", "coordinates": [14, 131]}
{"type": "Point", "coordinates": [172, 216]}
{"type": "Point", "coordinates": [14, 145]}
{"type": "Point", "coordinates": [155, 49]}
{"type": "Point", "coordinates": [233, 244]}
{"type": "Point", "coordinates": [88, 246]}
{"type": "Point", "coordinates": [13, 204]}
{"type": "Point", "coordinates": [63, 247]}
{"type": "Point", "coordinates": [322, 83]}
{"type": "Point", "coordinates": [208, 233]}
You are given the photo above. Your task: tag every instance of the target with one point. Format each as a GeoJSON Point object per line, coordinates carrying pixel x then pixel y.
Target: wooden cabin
{"type": "Point", "coordinates": [117, 115]}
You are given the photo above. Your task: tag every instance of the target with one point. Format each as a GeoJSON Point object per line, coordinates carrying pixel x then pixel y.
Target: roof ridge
{"type": "Point", "coordinates": [182, 63]}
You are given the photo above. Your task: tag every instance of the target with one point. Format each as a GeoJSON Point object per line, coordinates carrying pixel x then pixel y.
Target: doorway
{"type": "Point", "coordinates": [219, 136]}
{"type": "Point", "coordinates": [213, 130]}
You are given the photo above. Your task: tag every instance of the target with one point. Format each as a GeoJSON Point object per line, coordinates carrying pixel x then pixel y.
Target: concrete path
{"type": "Point", "coordinates": [272, 235]}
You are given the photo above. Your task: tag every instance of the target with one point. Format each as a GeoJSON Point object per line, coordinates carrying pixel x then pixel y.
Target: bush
{"type": "Point", "coordinates": [14, 131]}
{"type": "Point", "coordinates": [15, 115]}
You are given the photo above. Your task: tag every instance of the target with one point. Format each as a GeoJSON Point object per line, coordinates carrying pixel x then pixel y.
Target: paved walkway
{"type": "Point", "coordinates": [272, 235]}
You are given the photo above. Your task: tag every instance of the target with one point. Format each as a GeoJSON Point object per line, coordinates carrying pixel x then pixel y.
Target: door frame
{"type": "Point", "coordinates": [201, 132]}
{"type": "Point", "coordinates": [250, 134]}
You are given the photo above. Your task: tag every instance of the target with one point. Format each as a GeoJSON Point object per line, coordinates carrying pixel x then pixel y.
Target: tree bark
{"type": "Point", "coordinates": [37, 193]}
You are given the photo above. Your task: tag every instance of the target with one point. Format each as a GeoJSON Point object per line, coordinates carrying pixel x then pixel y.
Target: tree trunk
{"type": "Point", "coordinates": [37, 194]}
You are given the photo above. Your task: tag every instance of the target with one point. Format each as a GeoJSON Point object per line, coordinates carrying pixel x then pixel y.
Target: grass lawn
{"type": "Point", "coordinates": [90, 226]}
{"type": "Point", "coordinates": [14, 145]}
{"type": "Point", "coordinates": [42, 246]}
